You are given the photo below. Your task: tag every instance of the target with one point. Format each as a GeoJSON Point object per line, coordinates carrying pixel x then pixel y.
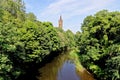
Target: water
{"type": "Point", "coordinates": [67, 72]}
{"type": "Point", "coordinates": [62, 67]}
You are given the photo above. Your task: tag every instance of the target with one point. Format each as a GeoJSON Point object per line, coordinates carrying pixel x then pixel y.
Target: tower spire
{"type": "Point", "coordinates": [60, 22]}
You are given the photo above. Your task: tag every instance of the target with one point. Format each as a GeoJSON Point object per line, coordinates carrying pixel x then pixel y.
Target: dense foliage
{"type": "Point", "coordinates": [99, 45]}
{"type": "Point", "coordinates": [67, 38]}
{"type": "Point", "coordinates": [24, 40]}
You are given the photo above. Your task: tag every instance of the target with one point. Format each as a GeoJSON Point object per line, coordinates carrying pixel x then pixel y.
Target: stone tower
{"type": "Point", "coordinates": [60, 22]}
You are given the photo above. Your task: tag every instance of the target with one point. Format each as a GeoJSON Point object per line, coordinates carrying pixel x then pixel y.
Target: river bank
{"type": "Point", "coordinates": [61, 65]}
{"type": "Point", "coordinates": [80, 70]}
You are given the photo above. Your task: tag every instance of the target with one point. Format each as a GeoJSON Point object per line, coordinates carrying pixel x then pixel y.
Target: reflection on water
{"type": "Point", "coordinates": [61, 68]}
{"type": "Point", "coordinates": [67, 72]}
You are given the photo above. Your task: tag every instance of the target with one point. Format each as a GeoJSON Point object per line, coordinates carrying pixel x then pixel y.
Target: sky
{"type": "Point", "coordinates": [73, 12]}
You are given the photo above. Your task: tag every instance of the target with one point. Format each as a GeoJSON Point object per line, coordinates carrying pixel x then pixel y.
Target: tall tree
{"type": "Point", "coordinates": [99, 44]}
{"type": "Point", "coordinates": [13, 8]}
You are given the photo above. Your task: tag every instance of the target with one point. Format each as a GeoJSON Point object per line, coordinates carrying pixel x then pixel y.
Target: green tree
{"type": "Point", "coordinates": [70, 38]}
{"type": "Point", "coordinates": [31, 16]}
{"type": "Point", "coordinates": [99, 44]}
{"type": "Point", "coordinates": [77, 37]}
{"type": "Point", "coordinates": [63, 39]}
{"type": "Point", "coordinates": [12, 9]}
{"type": "Point", "coordinates": [24, 40]}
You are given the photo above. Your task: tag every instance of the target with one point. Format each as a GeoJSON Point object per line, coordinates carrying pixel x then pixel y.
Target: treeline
{"type": "Point", "coordinates": [99, 45]}
{"type": "Point", "coordinates": [24, 40]}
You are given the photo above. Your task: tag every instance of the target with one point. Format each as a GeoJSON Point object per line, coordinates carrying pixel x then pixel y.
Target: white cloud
{"type": "Point", "coordinates": [74, 7]}
{"type": "Point", "coordinates": [70, 9]}
{"type": "Point", "coordinates": [57, 7]}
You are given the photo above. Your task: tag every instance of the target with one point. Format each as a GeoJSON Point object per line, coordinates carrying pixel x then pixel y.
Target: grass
{"type": "Point", "coordinates": [81, 71]}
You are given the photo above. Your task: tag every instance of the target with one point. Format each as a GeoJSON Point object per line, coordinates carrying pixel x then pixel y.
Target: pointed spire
{"type": "Point", "coordinates": [60, 17]}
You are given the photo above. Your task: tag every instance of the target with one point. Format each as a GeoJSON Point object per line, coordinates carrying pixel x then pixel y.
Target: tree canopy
{"type": "Point", "coordinates": [24, 40]}
{"type": "Point", "coordinates": [99, 45]}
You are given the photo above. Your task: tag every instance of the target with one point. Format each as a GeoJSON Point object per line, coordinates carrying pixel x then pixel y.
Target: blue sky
{"type": "Point", "coordinates": [73, 11]}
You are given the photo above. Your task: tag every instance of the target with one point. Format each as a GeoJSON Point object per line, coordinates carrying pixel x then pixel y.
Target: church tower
{"type": "Point", "coordinates": [60, 22]}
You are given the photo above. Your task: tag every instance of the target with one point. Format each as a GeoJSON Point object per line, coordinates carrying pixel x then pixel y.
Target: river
{"type": "Point", "coordinates": [64, 67]}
